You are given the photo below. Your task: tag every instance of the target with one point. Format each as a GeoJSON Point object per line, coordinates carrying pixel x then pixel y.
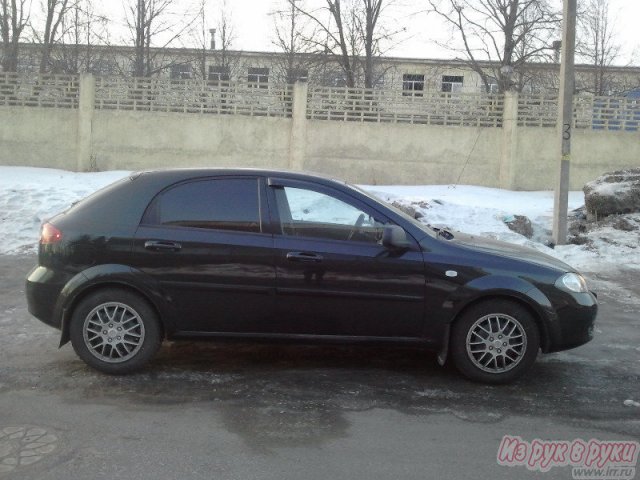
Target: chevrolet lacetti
{"type": "Point", "coordinates": [254, 254]}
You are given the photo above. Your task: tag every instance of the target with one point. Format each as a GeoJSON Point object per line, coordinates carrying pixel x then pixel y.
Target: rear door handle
{"type": "Point", "coordinates": [162, 245]}
{"type": "Point", "coordinates": [304, 257]}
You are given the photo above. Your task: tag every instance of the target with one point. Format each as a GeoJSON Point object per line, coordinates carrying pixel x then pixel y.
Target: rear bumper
{"type": "Point", "coordinates": [43, 287]}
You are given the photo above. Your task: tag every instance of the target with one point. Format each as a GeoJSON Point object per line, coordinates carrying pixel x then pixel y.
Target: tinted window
{"type": "Point", "coordinates": [225, 204]}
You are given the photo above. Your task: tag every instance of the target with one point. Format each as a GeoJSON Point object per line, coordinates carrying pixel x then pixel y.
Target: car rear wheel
{"type": "Point", "coordinates": [115, 331]}
{"type": "Point", "coordinates": [495, 341]}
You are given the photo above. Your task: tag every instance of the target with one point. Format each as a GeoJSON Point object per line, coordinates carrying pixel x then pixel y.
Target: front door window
{"type": "Point", "coordinates": [308, 213]}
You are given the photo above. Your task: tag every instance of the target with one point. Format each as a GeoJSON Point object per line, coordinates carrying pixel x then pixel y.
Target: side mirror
{"type": "Point", "coordinates": [395, 237]}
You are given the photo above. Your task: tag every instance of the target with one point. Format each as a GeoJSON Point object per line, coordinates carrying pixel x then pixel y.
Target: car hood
{"type": "Point", "coordinates": [504, 249]}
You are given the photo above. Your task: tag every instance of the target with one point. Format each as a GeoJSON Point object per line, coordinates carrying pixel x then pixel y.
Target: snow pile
{"type": "Point", "coordinates": [29, 196]}
{"type": "Point", "coordinates": [478, 210]}
{"type": "Point", "coordinates": [612, 193]}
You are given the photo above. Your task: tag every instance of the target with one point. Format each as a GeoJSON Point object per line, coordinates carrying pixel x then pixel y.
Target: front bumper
{"type": "Point", "coordinates": [574, 322]}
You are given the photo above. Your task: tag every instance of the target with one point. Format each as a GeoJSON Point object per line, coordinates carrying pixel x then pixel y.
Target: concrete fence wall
{"type": "Point", "coordinates": [507, 155]}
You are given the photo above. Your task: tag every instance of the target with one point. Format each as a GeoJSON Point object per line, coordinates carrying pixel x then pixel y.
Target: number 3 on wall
{"type": "Point", "coordinates": [566, 131]}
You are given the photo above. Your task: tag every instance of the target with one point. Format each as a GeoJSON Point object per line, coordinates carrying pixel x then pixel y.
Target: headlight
{"type": "Point", "coordinates": [572, 282]}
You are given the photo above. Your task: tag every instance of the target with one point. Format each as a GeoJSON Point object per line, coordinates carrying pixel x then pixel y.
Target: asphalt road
{"type": "Point", "coordinates": [242, 411]}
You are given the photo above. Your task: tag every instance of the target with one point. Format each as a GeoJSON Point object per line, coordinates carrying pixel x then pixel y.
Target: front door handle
{"type": "Point", "coordinates": [304, 257]}
{"type": "Point", "coordinates": [162, 245]}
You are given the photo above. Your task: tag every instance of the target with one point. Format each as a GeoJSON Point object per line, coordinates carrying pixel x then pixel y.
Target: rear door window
{"type": "Point", "coordinates": [219, 204]}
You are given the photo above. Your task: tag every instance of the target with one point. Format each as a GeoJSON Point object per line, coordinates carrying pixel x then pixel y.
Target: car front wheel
{"type": "Point", "coordinates": [115, 331]}
{"type": "Point", "coordinates": [495, 341]}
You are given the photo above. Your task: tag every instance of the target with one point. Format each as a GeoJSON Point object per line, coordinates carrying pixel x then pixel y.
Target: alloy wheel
{"type": "Point", "coordinates": [496, 343]}
{"type": "Point", "coordinates": [113, 332]}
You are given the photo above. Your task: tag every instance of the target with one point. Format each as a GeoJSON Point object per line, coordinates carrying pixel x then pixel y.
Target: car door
{"type": "Point", "coordinates": [204, 242]}
{"type": "Point", "coordinates": [333, 276]}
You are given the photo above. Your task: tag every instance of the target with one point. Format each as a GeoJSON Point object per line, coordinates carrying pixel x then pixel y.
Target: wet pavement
{"type": "Point", "coordinates": [236, 410]}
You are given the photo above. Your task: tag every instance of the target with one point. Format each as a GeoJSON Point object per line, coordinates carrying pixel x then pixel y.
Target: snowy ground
{"type": "Point", "coordinates": [28, 196]}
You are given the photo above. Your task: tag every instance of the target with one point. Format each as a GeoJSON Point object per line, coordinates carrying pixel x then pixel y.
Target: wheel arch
{"type": "Point", "coordinates": [519, 292]}
{"type": "Point", "coordinates": [523, 301]}
{"type": "Point", "coordinates": [88, 283]}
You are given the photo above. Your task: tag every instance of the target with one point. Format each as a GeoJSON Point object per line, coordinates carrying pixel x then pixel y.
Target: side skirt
{"type": "Point", "coordinates": [305, 338]}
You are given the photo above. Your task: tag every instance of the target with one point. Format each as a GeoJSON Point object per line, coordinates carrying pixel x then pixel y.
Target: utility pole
{"type": "Point", "coordinates": [565, 127]}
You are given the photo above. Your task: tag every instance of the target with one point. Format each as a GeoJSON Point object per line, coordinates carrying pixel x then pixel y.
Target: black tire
{"type": "Point", "coordinates": [121, 345]}
{"type": "Point", "coordinates": [485, 341]}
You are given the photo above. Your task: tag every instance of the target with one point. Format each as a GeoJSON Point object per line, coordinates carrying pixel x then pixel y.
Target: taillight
{"type": "Point", "coordinates": [49, 234]}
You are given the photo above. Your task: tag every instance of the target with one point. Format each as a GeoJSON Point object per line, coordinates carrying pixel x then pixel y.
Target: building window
{"type": "Point", "coordinates": [29, 64]}
{"type": "Point", "coordinates": [147, 67]}
{"type": "Point", "coordinates": [297, 74]}
{"type": "Point", "coordinates": [493, 86]}
{"type": "Point", "coordinates": [412, 84]}
{"type": "Point", "coordinates": [218, 73]}
{"type": "Point", "coordinates": [258, 77]}
{"type": "Point", "coordinates": [452, 83]}
{"type": "Point", "coordinates": [378, 81]}
{"type": "Point", "coordinates": [332, 78]}
{"type": "Point", "coordinates": [533, 87]}
{"type": "Point", "coordinates": [338, 80]}
{"type": "Point", "coordinates": [103, 67]}
{"type": "Point", "coordinates": [181, 71]}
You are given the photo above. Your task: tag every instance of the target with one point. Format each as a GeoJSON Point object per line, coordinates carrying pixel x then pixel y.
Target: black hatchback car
{"type": "Point", "coordinates": [254, 254]}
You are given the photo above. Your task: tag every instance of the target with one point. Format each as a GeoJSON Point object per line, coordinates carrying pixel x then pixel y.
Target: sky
{"type": "Point", "coordinates": [425, 33]}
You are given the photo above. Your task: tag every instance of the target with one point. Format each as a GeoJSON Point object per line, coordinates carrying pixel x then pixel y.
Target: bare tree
{"type": "Point", "coordinates": [508, 33]}
{"type": "Point", "coordinates": [214, 40]}
{"type": "Point", "coordinates": [226, 31]}
{"type": "Point", "coordinates": [367, 25]}
{"type": "Point", "coordinates": [153, 23]}
{"type": "Point", "coordinates": [83, 42]}
{"type": "Point", "coordinates": [289, 25]}
{"type": "Point", "coordinates": [330, 37]}
{"type": "Point", "coordinates": [14, 17]}
{"type": "Point", "coordinates": [354, 29]}
{"type": "Point", "coordinates": [199, 33]}
{"type": "Point", "coordinates": [287, 35]}
{"type": "Point", "coordinates": [597, 44]}
{"type": "Point", "coordinates": [55, 12]}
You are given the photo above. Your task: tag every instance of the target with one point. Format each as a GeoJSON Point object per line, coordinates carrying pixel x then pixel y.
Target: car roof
{"type": "Point", "coordinates": [186, 173]}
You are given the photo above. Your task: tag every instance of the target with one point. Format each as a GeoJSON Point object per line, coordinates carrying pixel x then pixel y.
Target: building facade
{"type": "Point", "coordinates": [408, 76]}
